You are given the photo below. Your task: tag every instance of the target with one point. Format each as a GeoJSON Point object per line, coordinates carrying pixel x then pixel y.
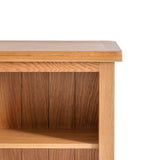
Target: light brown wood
{"type": "Point", "coordinates": [86, 154]}
{"type": "Point", "coordinates": [10, 154]}
{"type": "Point", "coordinates": [12, 138]}
{"type": "Point", "coordinates": [106, 112]}
{"type": "Point", "coordinates": [61, 154]}
{"type": "Point", "coordinates": [54, 116]}
{"type": "Point", "coordinates": [35, 100]}
{"type": "Point", "coordinates": [10, 100]}
{"type": "Point", "coordinates": [59, 51]}
{"type": "Point", "coordinates": [87, 101]}
{"type": "Point", "coordinates": [61, 94]}
{"type": "Point", "coordinates": [34, 154]}
{"type": "Point", "coordinates": [49, 67]}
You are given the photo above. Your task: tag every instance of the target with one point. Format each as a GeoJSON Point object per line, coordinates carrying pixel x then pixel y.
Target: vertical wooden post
{"type": "Point", "coordinates": [106, 111]}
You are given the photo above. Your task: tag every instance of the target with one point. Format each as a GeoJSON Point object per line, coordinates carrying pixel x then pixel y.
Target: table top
{"type": "Point", "coordinates": [59, 51]}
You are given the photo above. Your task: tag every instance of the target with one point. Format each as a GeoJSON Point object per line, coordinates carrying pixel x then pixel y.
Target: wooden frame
{"type": "Point", "coordinates": [49, 67]}
{"type": "Point", "coordinates": [106, 111]}
{"type": "Point", "coordinates": [56, 106]}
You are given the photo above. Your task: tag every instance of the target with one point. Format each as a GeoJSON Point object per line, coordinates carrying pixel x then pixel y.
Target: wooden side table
{"type": "Point", "coordinates": [57, 100]}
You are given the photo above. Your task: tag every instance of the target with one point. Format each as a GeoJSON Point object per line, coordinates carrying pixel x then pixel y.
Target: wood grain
{"type": "Point", "coordinates": [61, 154]}
{"type": "Point", "coordinates": [10, 100]}
{"type": "Point", "coordinates": [87, 101]}
{"type": "Point", "coordinates": [106, 111]}
{"type": "Point", "coordinates": [49, 67]}
{"type": "Point", "coordinates": [10, 154]}
{"type": "Point", "coordinates": [86, 154]}
{"type": "Point", "coordinates": [61, 94]}
{"type": "Point", "coordinates": [35, 138]}
{"type": "Point", "coordinates": [34, 154]}
{"type": "Point", "coordinates": [59, 51]}
{"type": "Point", "coordinates": [35, 100]}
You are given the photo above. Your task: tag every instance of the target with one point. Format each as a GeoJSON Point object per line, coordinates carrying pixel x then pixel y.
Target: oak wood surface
{"type": "Point", "coordinates": [54, 100]}
{"type": "Point", "coordinates": [48, 67]}
{"type": "Point", "coordinates": [10, 154]}
{"type": "Point", "coordinates": [35, 100]}
{"type": "Point", "coordinates": [57, 100]}
{"type": "Point", "coordinates": [34, 154]}
{"type": "Point", "coordinates": [61, 94]}
{"type": "Point", "coordinates": [106, 112]}
{"type": "Point", "coordinates": [59, 51]}
{"type": "Point", "coordinates": [86, 100]}
{"type": "Point", "coordinates": [86, 154]}
{"type": "Point", "coordinates": [10, 100]}
{"type": "Point", "coordinates": [48, 154]}
{"type": "Point", "coordinates": [34, 138]}
{"type": "Point", "coordinates": [61, 154]}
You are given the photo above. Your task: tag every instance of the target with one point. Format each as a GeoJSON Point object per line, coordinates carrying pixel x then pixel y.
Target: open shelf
{"type": "Point", "coordinates": [49, 115]}
{"type": "Point", "coordinates": [18, 138]}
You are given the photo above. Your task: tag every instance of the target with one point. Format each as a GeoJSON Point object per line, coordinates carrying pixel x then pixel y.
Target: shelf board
{"type": "Point", "coordinates": [18, 138]}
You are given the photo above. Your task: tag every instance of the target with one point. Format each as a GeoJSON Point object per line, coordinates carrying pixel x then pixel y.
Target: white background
{"type": "Point", "coordinates": [135, 25]}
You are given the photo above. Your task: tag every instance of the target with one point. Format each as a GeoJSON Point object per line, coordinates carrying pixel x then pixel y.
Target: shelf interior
{"type": "Point", "coordinates": [49, 110]}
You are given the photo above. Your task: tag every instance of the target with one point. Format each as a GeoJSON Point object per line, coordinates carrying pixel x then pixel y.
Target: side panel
{"type": "Point", "coordinates": [86, 154]}
{"type": "Point", "coordinates": [106, 112]}
{"type": "Point", "coordinates": [61, 154]}
{"type": "Point", "coordinates": [10, 100]}
{"type": "Point", "coordinates": [10, 154]}
{"type": "Point", "coordinates": [35, 154]}
{"type": "Point", "coordinates": [35, 100]}
{"type": "Point", "coordinates": [61, 95]}
{"type": "Point", "coordinates": [86, 100]}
